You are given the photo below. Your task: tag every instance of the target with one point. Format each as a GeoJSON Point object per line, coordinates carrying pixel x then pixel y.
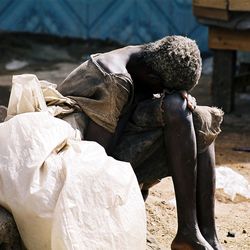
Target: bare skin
{"type": "Point", "coordinates": [205, 204]}
{"type": "Point", "coordinates": [205, 196]}
{"type": "Point", "coordinates": [194, 232]}
{"type": "Point", "coordinates": [192, 174]}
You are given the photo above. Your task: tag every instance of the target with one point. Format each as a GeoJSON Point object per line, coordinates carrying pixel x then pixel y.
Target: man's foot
{"type": "Point", "coordinates": [212, 240]}
{"type": "Point", "coordinates": [188, 242]}
{"type": "Point", "coordinates": [215, 244]}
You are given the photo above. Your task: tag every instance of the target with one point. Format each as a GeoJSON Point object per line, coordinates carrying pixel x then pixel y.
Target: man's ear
{"type": "Point", "coordinates": [156, 82]}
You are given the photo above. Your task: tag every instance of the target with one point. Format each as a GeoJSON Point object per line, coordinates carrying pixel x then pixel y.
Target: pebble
{"type": "Point", "coordinates": [230, 234]}
{"type": "Point", "coordinates": [244, 231]}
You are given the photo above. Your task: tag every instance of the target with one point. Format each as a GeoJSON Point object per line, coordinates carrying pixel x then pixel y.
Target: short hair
{"type": "Point", "coordinates": [176, 59]}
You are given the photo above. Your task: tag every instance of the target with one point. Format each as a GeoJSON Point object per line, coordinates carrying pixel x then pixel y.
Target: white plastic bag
{"type": "Point", "coordinates": [26, 95]}
{"type": "Point", "coordinates": [230, 185]}
{"type": "Point", "coordinates": [65, 193]}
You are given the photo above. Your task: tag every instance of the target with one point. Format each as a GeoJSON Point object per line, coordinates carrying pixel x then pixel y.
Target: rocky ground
{"type": "Point", "coordinates": [53, 59]}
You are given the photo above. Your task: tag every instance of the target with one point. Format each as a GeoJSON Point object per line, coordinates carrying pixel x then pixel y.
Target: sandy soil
{"type": "Point", "coordinates": [161, 213]}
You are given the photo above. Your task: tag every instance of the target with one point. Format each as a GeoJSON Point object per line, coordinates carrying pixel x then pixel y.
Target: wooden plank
{"type": "Point", "coordinates": [217, 4]}
{"type": "Point", "coordinates": [240, 81]}
{"type": "Point", "coordinates": [239, 5]}
{"type": "Point", "coordinates": [223, 79]}
{"type": "Point", "coordinates": [211, 13]}
{"type": "Point", "coordinates": [229, 39]}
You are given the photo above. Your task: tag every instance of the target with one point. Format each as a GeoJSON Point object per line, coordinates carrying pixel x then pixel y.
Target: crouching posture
{"type": "Point", "coordinates": [160, 135]}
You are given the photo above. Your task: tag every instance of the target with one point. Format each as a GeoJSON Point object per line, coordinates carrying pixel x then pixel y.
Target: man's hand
{"type": "Point", "coordinates": [191, 101]}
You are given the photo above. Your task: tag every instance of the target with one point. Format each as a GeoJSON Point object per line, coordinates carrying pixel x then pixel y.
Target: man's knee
{"type": "Point", "coordinates": [175, 108]}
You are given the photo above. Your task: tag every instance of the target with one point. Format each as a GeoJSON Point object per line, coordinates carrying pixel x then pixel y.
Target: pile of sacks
{"type": "Point", "coordinates": [64, 193]}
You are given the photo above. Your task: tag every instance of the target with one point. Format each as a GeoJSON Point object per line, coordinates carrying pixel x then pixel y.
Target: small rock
{"type": "Point", "coordinates": [230, 234]}
{"type": "Point", "coordinates": [225, 241]}
{"type": "Point", "coordinates": [244, 231]}
{"type": "Point", "coordinates": [9, 235]}
{"type": "Point", "coordinates": [151, 239]}
{"type": "Point", "coordinates": [3, 113]}
{"type": "Point", "coordinates": [152, 243]}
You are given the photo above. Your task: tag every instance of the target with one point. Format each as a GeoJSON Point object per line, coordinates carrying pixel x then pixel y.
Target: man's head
{"type": "Point", "coordinates": [176, 59]}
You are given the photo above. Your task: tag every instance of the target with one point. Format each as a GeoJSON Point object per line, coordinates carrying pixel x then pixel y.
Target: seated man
{"type": "Point", "coordinates": [164, 135]}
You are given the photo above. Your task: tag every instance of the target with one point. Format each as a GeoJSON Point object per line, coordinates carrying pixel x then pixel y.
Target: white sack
{"type": "Point", "coordinates": [28, 94]}
{"type": "Point", "coordinates": [65, 193]}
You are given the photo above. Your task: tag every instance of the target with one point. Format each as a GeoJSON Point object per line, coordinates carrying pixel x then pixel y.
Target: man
{"type": "Point", "coordinates": [164, 135]}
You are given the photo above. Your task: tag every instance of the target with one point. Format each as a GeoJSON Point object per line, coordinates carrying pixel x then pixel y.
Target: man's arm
{"type": "Point", "coordinates": [98, 134]}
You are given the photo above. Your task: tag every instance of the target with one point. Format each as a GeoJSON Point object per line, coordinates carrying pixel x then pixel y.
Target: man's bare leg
{"type": "Point", "coordinates": [205, 196]}
{"type": "Point", "coordinates": [181, 153]}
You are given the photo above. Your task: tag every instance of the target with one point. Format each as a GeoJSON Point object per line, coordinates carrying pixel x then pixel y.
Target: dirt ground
{"type": "Point", "coordinates": [55, 62]}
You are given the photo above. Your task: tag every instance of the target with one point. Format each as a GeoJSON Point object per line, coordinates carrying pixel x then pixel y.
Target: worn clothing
{"type": "Point", "coordinates": [104, 97]}
{"type": "Point", "coordinates": [100, 95]}
{"type": "Point", "coordinates": [143, 145]}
